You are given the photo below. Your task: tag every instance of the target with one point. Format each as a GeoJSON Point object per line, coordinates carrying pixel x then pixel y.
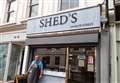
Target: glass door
{"type": "Point", "coordinates": [81, 65]}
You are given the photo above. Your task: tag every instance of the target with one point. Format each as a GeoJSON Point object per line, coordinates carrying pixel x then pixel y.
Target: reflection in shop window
{"type": "Point", "coordinates": [47, 59]}
{"type": "Point", "coordinates": [14, 62]}
{"type": "Point", "coordinates": [54, 58]}
{"type": "Point", "coordinates": [3, 56]}
{"type": "Point", "coordinates": [57, 60]}
{"type": "Point", "coordinates": [82, 65]}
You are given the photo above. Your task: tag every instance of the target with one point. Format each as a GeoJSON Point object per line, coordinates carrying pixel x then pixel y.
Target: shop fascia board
{"type": "Point", "coordinates": [64, 33]}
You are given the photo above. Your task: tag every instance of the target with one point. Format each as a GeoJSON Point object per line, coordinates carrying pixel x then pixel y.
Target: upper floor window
{"type": "Point", "coordinates": [34, 8]}
{"type": "Point", "coordinates": [67, 4]}
{"type": "Point", "coordinates": [11, 10]}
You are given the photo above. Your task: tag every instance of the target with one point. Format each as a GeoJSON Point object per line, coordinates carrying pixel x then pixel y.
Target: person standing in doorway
{"type": "Point", "coordinates": [35, 71]}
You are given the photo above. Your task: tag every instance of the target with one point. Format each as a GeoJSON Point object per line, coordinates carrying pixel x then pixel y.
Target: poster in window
{"type": "Point", "coordinates": [90, 59]}
{"type": "Point", "coordinates": [81, 63]}
{"type": "Point", "coordinates": [90, 67]}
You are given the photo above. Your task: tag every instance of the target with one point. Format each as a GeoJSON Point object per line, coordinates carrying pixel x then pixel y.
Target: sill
{"type": "Point", "coordinates": [7, 24]}
{"type": "Point", "coordinates": [11, 81]}
{"type": "Point", "coordinates": [117, 22]}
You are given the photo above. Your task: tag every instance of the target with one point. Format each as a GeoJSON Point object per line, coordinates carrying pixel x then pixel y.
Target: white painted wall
{"type": "Point", "coordinates": [0, 10]}
{"type": "Point", "coordinates": [93, 2]}
{"type": "Point", "coordinates": [13, 36]}
{"type": "Point", "coordinates": [113, 54]}
{"type": "Point", "coordinates": [1, 5]}
{"type": "Point", "coordinates": [45, 7]}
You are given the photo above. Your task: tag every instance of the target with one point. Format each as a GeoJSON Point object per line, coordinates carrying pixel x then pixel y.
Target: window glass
{"type": "Point", "coordinates": [82, 65]}
{"type": "Point", "coordinates": [117, 12]}
{"type": "Point", "coordinates": [74, 3]}
{"type": "Point", "coordinates": [34, 10]}
{"type": "Point", "coordinates": [46, 59]}
{"type": "Point", "coordinates": [11, 11]}
{"type": "Point", "coordinates": [14, 62]}
{"type": "Point", "coordinates": [54, 58]}
{"type": "Point", "coordinates": [66, 4]}
{"type": "Point", "coordinates": [34, 2]}
{"type": "Point", "coordinates": [11, 16]}
{"type": "Point", "coordinates": [57, 60]}
{"type": "Point", "coordinates": [111, 4]}
{"type": "Point", "coordinates": [3, 56]}
{"type": "Point", "coordinates": [13, 6]}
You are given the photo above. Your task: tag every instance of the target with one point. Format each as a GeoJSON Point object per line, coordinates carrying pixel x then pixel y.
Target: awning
{"type": "Point", "coordinates": [71, 39]}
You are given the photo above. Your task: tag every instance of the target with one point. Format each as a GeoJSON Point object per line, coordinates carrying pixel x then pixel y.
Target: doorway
{"type": "Point", "coordinates": [67, 64]}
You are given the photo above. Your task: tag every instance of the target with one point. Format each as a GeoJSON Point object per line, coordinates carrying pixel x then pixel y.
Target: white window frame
{"type": "Point", "coordinates": [9, 11]}
{"type": "Point", "coordinates": [60, 5]}
{"type": "Point", "coordinates": [31, 6]}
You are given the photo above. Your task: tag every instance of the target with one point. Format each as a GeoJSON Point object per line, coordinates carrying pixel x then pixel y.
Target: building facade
{"type": "Point", "coordinates": [72, 36]}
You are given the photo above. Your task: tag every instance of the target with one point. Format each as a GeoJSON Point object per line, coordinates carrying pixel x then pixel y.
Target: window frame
{"type": "Point", "coordinates": [69, 5]}
{"type": "Point", "coordinates": [31, 6]}
{"type": "Point", "coordinates": [9, 11]}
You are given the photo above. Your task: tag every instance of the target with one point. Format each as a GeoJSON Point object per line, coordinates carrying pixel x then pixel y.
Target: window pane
{"type": "Point", "coordinates": [11, 16]}
{"type": "Point", "coordinates": [57, 60]}
{"type": "Point", "coordinates": [34, 11]}
{"type": "Point", "coordinates": [64, 4]}
{"type": "Point", "coordinates": [74, 3]}
{"type": "Point", "coordinates": [82, 65]}
{"type": "Point", "coordinates": [14, 62]}
{"type": "Point", "coordinates": [11, 11]}
{"type": "Point", "coordinates": [3, 56]}
{"type": "Point", "coordinates": [53, 58]}
{"type": "Point", "coordinates": [13, 6]}
{"type": "Point", "coordinates": [34, 2]}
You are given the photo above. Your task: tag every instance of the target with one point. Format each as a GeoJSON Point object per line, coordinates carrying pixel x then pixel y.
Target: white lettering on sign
{"type": "Point", "coordinates": [76, 19]}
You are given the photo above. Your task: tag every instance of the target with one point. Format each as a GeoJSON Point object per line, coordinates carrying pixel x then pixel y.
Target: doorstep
{"type": "Point", "coordinates": [12, 81]}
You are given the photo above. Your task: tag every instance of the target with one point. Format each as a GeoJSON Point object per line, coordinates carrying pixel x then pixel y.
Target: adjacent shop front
{"type": "Point", "coordinates": [11, 49]}
{"type": "Point", "coordinates": [68, 42]}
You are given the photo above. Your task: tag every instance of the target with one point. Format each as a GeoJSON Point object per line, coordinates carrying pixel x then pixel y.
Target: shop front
{"type": "Point", "coordinates": [11, 49]}
{"type": "Point", "coordinates": [67, 43]}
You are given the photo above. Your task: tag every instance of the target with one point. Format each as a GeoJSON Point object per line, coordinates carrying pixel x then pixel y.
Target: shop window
{"type": "Point", "coordinates": [14, 62]}
{"type": "Point", "coordinates": [34, 8]}
{"type": "Point", "coordinates": [67, 4]}
{"type": "Point", "coordinates": [54, 59]}
{"type": "Point", "coordinates": [57, 60]}
{"type": "Point", "coordinates": [82, 65]}
{"type": "Point", "coordinates": [11, 10]}
{"type": "Point", "coordinates": [117, 12]}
